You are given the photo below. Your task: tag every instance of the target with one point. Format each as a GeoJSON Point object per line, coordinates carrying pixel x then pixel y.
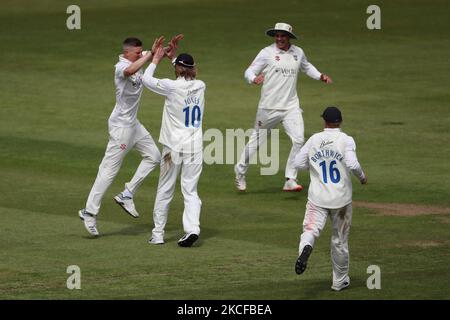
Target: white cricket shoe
{"type": "Point", "coordinates": [155, 240]}
{"type": "Point", "coordinates": [241, 185]}
{"type": "Point", "coordinates": [127, 204]}
{"type": "Point", "coordinates": [341, 286]}
{"type": "Point", "coordinates": [90, 222]}
{"type": "Point", "coordinates": [291, 186]}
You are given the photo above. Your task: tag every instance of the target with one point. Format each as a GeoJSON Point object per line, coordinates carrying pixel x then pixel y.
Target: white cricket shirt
{"type": "Point", "coordinates": [280, 69]}
{"type": "Point", "coordinates": [128, 94]}
{"type": "Point", "coordinates": [330, 156]}
{"type": "Point", "coordinates": [181, 128]}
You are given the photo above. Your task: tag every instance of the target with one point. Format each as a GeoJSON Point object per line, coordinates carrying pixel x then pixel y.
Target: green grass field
{"type": "Point", "coordinates": [57, 93]}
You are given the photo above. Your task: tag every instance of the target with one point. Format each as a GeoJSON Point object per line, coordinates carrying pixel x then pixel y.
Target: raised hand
{"type": "Point", "coordinates": [159, 54]}
{"type": "Point", "coordinates": [171, 49]}
{"type": "Point", "coordinates": [158, 42]}
{"type": "Point", "coordinates": [174, 41]}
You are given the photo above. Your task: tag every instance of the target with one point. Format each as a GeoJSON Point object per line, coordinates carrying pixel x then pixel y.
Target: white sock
{"type": "Point", "coordinates": [306, 238]}
{"type": "Point", "coordinates": [127, 193]}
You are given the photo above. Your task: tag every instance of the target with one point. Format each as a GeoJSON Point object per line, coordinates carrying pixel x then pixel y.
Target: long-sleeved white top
{"type": "Point", "coordinates": [128, 95]}
{"type": "Point", "coordinates": [280, 69]}
{"type": "Point", "coordinates": [330, 156]}
{"type": "Point", "coordinates": [181, 128]}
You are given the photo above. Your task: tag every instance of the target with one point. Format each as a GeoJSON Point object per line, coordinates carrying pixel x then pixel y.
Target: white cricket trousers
{"type": "Point", "coordinates": [313, 224]}
{"type": "Point", "coordinates": [268, 119]}
{"type": "Point", "coordinates": [190, 165]}
{"type": "Point", "coordinates": [122, 140]}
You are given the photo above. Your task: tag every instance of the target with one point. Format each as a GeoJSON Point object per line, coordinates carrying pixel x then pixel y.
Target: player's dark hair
{"type": "Point", "coordinates": [187, 73]}
{"type": "Point", "coordinates": [332, 125]}
{"type": "Point", "coordinates": [132, 42]}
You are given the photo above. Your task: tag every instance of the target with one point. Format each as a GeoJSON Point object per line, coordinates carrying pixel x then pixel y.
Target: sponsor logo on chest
{"type": "Point", "coordinates": [136, 80]}
{"type": "Point", "coordinates": [285, 65]}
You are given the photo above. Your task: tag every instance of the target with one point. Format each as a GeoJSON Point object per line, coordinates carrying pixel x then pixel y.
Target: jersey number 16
{"type": "Point", "coordinates": [335, 175]}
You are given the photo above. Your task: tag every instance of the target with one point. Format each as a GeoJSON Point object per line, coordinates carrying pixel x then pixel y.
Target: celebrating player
{"type": "Point", "coordinates": [330, 156]}
{"type": "Point", "coordinates": [181, 137]}
{"type": "Point", "coordinates": [125, 133]}
{"type": "Point", "coordinates": [276, 67]}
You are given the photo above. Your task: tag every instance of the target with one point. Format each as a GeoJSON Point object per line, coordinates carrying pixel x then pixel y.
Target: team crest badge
{"type": "Point", "coordinates": [295, 58]}
{"type": "Point", "coordinates": [277, 58]}
{"type": "Point", "coordinates": [123, 146]}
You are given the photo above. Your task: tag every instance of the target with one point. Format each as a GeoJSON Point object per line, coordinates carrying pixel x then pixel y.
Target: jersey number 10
{"type": "Point", "coordinates": [335, 175]}
{"type": "Point", "coordinates": [194, 117]}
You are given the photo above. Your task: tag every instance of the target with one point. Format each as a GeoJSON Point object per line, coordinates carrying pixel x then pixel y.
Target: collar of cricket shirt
{"type": "Point", "coordinates": [281, 51]}
{"type": "Point", "coordinates": [332, 129]}
{"type": "Point", "coordinates": [181, 78]}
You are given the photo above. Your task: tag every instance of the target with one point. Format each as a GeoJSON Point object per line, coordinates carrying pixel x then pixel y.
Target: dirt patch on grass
{"type": "Point", "coordinates": [422, 244]}
{"type": "Point", "coordinates": [401, 209]}
{"type": "Point", "coordinates": [444, 220]}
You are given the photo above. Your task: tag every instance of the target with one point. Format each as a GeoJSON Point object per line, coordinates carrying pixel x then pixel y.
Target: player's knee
{"type": "Point", "coordinates": [154, 157]}
{"type": "Point", "coordinates": [109, 169]}
{"type": "Point", "coordinates": [339, 244]}
{"type": "Point", "coordinates": [312, 229]}
{"type": "Point", "coordinates": [189, 194]}
{"type": "Point", "coordinates": [298, 142]}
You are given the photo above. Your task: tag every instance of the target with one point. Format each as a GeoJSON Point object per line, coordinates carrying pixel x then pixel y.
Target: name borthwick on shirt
{"type": "Point", "coordinates": [330, 157]}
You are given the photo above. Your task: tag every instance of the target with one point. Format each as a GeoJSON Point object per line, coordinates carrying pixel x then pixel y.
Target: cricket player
{"type": "Point", "coordinates": [125, 133]}
{"type": "Point", "coordinates": [182, 139]}
{"type": "Point", "coordinates": [330, 157]}
{"type": "Point", "coordinates": [277, 67]}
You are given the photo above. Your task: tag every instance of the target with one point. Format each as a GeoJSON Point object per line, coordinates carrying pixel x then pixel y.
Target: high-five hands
{"type": "Point", "coordinates": [171, 49]}
{"type": "Point", "coordinates": [159, 51]}
{"type": "Point", "coordinates": [158, 42]}
{"type": "Point", "coordinates": [159, 54]}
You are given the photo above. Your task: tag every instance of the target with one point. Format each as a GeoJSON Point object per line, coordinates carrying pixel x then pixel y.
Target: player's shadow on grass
{"type": "Point", "coordinates": [173, 235]}
{"type": "Point", "coordinates": [315, 289]}
{"type": "Point", "coordinates": [277, 191]}
{"type": "Point", "coordinates": [130, 230]}
{"type": "Point", "coordinates": [206, 234]}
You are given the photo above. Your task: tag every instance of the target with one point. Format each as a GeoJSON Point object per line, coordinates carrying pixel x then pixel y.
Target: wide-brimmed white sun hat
{"type": "Point", "coordinates": [284, 27]}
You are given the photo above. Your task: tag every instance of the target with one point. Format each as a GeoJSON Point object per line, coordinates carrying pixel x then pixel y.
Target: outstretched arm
{"type": "Point", "coordinates": [312, 72]}
{"type": "Point", "coordinates": [139, 63]}
{"type": "Point", "coordinates": [159, 86]}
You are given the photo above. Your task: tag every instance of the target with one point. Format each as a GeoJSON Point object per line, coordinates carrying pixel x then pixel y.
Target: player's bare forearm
{"type": "Point", "coordinates": [138, 64]}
